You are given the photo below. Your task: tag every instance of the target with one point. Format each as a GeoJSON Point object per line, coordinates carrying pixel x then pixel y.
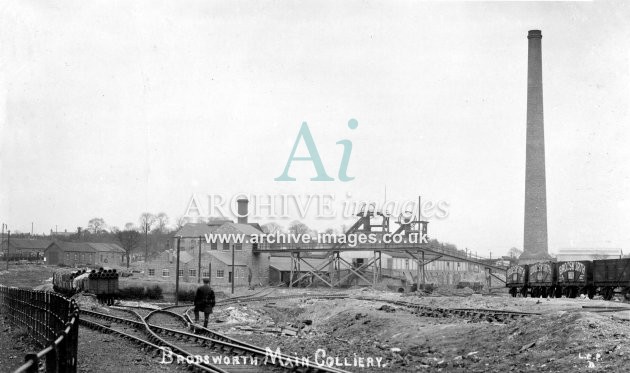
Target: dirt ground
{"type": "Point", "coordinates": [105, 353]}
{"type": "Point", "coordinates": [14, 344]}
{"type": "Point", "coordinates": [565, 337]}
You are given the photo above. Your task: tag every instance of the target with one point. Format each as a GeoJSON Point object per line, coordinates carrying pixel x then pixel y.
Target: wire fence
{"type": "Point", "coordinates": [51, 321]}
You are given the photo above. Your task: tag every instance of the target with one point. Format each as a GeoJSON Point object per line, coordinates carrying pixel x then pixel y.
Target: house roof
{"type": "Point", "coordinates": [590, 251]}
{"type": "Point", "coordinates": [305, 254]}
{"type": "Point", "coordinates": [283, 264]}
{"type": "Point", "coordinates": [19, 243]}
{"type": "Point", "coordinates": [196, 229]}
{"type": "Point", "coordinates": [75, 246]}
{"type": "Point", "coordinates": [227, 258]}
{"type": "Point", "coordinates": [107, 247]}
{"type": "Point", "coordinates": [247, 229]}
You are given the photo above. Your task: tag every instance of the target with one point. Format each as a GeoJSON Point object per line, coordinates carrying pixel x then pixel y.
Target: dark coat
{"type": "Point", "coordinates": [204, 299]}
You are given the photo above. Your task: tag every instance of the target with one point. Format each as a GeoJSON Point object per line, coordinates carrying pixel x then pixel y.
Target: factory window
{"type": "Point", "coordinates": [192, 272]}
{"type": "Point", "coordinates": [220, 273]}
{"type": "Point", "coordinates": [206, 274]}
{"type": "Point", "coordinates": [226, 246]}
{"type": "Point", "coordinates": [181, 273]}
{"type": "Point", "coordinates": [67, 256]}
{"type": "Point", "coordinates": [213, 246]}
{"type": "Point", "coordinates": [165, 273]}
{"type": "Point", "coordinates": [238, 246]}
{"type": "Point", "coordinates": [76, 256]}
{"type": "Point", "coordinates": [151, 272]}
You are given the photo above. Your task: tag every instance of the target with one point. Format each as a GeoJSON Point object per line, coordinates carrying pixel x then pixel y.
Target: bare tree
{"type": "Point", "coordinates": [96, 225]}
{"type": "Point", "coordinates": [130, 227]}
{"type": "Point", "coordinates": [514, 252]}
{"type": "Point", "coordinates": [181, 221]}
{"type": "Point", "coordinates": [161, 222]}
{"type": "Point", "coordinates": [297, 227]}
{"type": "Point", "coordinates": [145, 222]}
{"type": "Point", "coordinates": [271, 228]}
{"type": "Point", "coordinates": [129, 240]}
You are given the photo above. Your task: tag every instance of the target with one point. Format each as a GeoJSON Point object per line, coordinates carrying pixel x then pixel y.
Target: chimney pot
{"type": "Point", "coordinates": [242, 210]}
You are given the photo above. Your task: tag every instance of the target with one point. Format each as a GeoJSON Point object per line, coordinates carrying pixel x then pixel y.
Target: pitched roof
{"type": "Point", "coordinates": [196, 229]}
{"type": "Point", "coordinates": [247, 229]}
{"type": "Point", "coordinates": [30, 244]}
{"type": "Point", "coordinates": [75, 246]}
{"type": "Point", "coordinates": [226, 258]}
{"type": "Point", "coordinates": [283, 264]}
{"type": "Point", "coordinates": [303, 254]}
{"type": "Point", "coordinates": [108, 247]}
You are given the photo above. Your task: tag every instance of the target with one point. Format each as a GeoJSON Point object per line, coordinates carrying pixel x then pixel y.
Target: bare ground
{"type": "Point", "coordinates": [565, 337]}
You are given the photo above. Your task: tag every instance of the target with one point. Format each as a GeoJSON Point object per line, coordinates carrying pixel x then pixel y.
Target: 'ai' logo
{"type": "Point", "coordinates": [305, 135]}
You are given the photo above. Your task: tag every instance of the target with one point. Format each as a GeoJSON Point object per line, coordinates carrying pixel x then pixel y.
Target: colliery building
{"type": "Point", "coordinates": [199, 258]}
{"type": "Point", "coordinates": [77, 254]}
{"type": "Point", "coordinates": [28, 249]}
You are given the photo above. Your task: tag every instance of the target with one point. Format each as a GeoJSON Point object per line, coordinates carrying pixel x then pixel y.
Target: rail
{"type": "Point", "coordinates": [52, 322]}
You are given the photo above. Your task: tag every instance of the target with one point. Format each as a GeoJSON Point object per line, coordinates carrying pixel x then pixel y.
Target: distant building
{"type": "Point", "coordinates": [439, 272]}
{"type": "Point", "coordinates": [64, 234]}
{"type": "Point", "coordinates": [216, 257]}
{"type": "Point", "coordinates": [569, 254]}
{"type": "Point", "coordinates": [76, 254]}
{"type": "Point", "coordinates": [29, 249]}
{"type": "Point", "coordinates": [280, 267]}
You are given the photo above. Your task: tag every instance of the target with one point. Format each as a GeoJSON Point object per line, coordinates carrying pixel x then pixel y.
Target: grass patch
{"type": "Point", "coordinates": [24, 275]}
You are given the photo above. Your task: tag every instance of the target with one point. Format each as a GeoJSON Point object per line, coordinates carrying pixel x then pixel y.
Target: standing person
{"type": "Point", "coordinates": [204, 301]}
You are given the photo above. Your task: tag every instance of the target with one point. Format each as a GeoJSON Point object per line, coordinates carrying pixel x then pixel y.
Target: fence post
{"type": "Point", "coordinates": [35, 362]}
{"type": "Point", "coordinates": [51, 320]}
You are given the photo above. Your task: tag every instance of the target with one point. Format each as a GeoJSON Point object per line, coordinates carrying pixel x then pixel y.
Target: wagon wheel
{"type": "Point", "coordinates": [524, 291]}
{"type": "Point", "coordinates": [608, 293]}
{"type": "Point", "coordinates": [544, 291]}
{"type": "Point", "coordinates": [559, 291]}
{"type": "Point", "coordinates": [513, 292]}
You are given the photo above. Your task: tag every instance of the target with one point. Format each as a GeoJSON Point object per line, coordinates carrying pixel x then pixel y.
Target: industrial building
{"type": "Point", "coordinates": [200, 258]}
{"type": "Point", "coordinates": [76, 254]}
{"type": "Point", "coordinates": [27, 249]}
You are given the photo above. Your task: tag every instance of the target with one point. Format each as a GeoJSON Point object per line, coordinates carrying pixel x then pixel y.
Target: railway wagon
{"type": "Point", "coordinates": [609, 274]}
{"type": "Point", "coordinates": [542, 279]}
{"type": "Point", "coordinates": [516, 279]}
{"type": "Point", "coordinates": [102, 282]}
{"type": "Point", "coordinates": [574, 278]}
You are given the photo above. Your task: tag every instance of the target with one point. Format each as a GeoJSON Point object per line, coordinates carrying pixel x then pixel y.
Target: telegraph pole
{"type": "Point", "coordinates": [8, 247]}
{"type": "Point", "coordinates": [2, 240]}
{"type": "Point", "coordinates": [199, 263]}
{"type": "Point", "coordinates": [177, 273]}
{"type": "Point", "coordinates": [233, 274]}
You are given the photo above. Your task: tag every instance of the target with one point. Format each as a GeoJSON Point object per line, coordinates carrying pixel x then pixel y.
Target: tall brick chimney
{"type": "Point", "coordinates": [535, 231]}
{"type": "Point", "coordinates": [242, 210]}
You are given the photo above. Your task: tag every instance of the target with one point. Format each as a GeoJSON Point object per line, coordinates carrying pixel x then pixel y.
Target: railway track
{"type": "Point", "coordinates": [137, 331]}
{"type": "Point", "coordinates": [474, 314]}
{"type": "Point", "coordinates": [172, 328]}
{"type": "Point", "coordinates": [182, 331]}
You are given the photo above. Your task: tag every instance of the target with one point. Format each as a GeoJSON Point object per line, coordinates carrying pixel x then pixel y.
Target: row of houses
{"type": "Point", "coordinates": [73, 254]}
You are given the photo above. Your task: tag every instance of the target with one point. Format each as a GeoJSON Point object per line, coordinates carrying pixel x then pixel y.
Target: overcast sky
{"type": "Point", "coordinates": [109, 109]}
